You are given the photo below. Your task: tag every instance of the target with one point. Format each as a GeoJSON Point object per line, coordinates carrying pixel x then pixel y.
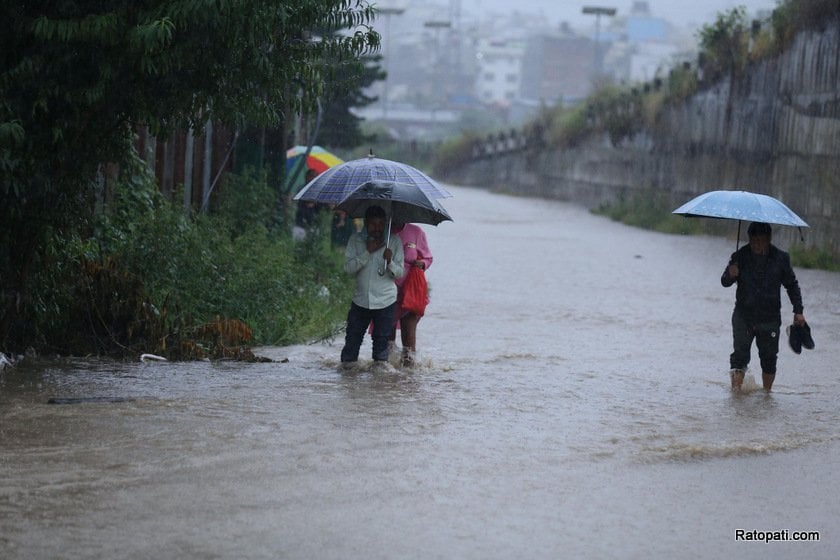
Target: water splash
{"type": "Point", "coordinates": [749, 385]}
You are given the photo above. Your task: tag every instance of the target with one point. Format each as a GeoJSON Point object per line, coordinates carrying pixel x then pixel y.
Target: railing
{"type": "Point", "coordinates": [509, 142]}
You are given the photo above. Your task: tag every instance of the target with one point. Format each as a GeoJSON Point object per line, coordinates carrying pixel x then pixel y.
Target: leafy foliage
{"type": "Point", "coordinates": [339, 127]}
{"type": "Point", "coordinates": [245, 201]}
{"type": "Point", "coordinates": [453, 153]}
{"type": "Point", "coordinates": [814, 258]}
{"type": "Point", "coordinates": [610, 109]}
{"type": "Point", "coordinates": [650, 209]}
{"type": "Point", "coordinates": [78, 76]}
{"type": "Point", "coordinates": [792, 16]}
{"type": "Point", "coordinates": [569, 125]}
{"type": "Point", "coordinates": [152, 280]}
{"type": "Point", "coordinates": [682, 83]}
{"type": "Point", "coordinates": [725, 43]}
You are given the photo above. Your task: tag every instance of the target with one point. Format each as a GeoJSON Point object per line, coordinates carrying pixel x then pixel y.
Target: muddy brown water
{"type": "Point", "coordinates": [571, 400]}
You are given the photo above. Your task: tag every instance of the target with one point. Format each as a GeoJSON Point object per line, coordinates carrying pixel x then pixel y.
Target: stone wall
{"type": "Point", "coordinates": [773, 130]}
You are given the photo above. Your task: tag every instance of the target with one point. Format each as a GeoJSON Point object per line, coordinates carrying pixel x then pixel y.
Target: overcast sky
{"type": "Point", "coordinates": [689, 13]}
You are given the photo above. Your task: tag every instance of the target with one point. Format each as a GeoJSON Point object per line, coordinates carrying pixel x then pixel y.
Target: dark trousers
{"type": "Point", "coordinates": [358, 320]}
{"type": "Point", "coordinates": [766, 336]}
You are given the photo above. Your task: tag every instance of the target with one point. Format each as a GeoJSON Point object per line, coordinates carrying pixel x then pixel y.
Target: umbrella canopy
{"type": "Point", "coordinates": [403, 203]}
{"type": "Point", "coordinates": [741, 205]}
{"type": "Point", "coordinates": [318, 159]}
{"type": "Point", "coordinates": [335, 184]}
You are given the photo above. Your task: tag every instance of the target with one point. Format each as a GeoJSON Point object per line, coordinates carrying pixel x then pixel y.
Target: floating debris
{"type": "Point", "coordinates": [152, 358]}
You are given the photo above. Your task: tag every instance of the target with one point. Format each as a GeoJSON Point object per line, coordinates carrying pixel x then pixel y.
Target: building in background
{"type": "Point", "coordinates": [643, 46]}
{"type": "Point", "coordinates": [557, 67]}
{"type": "Point", "coordinates": [499, 72]}
{"type": "Point", "coordinates": [444, 63]}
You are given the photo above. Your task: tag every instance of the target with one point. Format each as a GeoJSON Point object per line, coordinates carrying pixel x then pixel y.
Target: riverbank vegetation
{"type": "Point", "coordinates": [727, 47]}
{"type": "Point", "coordinates": [651, 210]}
{"type": "Point", "coordinates": [93, 260]}
{"type": "Point", "coordinates": [145, 278]}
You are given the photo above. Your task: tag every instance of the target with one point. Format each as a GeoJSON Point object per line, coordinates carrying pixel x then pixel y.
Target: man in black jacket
{"type": "Point", "coordinates": [760, 269]}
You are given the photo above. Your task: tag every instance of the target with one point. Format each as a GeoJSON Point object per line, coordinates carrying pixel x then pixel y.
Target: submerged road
{"type": "Point", "coordinates": [571, 401]}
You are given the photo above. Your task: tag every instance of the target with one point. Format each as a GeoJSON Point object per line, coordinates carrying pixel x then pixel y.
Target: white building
{"type": "Point", "coordinates": [644, 46]}
{"type": "Point", "coordinates": [499, 74]}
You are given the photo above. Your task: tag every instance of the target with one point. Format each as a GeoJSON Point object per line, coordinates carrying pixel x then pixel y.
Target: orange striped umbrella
{"type": "Point", "coordinates": [319, 159]}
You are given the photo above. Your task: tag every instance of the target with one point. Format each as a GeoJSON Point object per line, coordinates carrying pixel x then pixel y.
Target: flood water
{"type": "Point", "coordinates": [571, 401]}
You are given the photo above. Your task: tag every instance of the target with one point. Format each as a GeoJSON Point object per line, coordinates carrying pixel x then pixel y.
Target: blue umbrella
{"type": "Point", "coordinates": [336, 183]}
{"type": "Point", "coordinates": [741, 205]}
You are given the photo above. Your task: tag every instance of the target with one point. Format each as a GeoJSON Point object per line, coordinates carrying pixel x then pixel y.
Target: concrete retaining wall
{"type": "Point", "coordinates": [774, 130]}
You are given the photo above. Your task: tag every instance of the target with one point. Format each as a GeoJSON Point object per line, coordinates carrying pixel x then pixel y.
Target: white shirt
{"type": "Point", "coordinates": [372, 290]}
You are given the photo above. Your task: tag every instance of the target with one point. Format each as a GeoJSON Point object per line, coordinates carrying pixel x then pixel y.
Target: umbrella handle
{"type": "Point", "coordinates": [738, 239]}
{"type": "Point", "coordinates": [381, 271]}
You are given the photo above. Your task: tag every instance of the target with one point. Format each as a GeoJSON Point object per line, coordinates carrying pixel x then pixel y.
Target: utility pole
{"type": "Point", "coordinates": [436, 26]}
{"type": "Point", "coordinates": [387, 12]}
{"type": "Point", "coordinates": [598, 11]}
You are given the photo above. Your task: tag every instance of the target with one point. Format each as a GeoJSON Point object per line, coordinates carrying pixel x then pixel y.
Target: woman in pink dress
{"type": "Point", "coordinates": [417, 253]}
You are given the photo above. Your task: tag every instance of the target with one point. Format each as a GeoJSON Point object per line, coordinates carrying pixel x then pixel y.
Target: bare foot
{"type": "Point", "coordinates": [737, 376]}
{"type": "Point", "coordinates": [767, 380]}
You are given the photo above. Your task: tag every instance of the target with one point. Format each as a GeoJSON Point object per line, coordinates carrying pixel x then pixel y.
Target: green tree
{"type": "Point", "coordinates": [724, 44]}
{"type": "Point", "coordinates": [725, 49]}
{"type": "Point", "coordinates": [339, 127]}
{"type": "Point", "coordinates": [78, 77]}
{"type": "Point", "coordinates": [792, 16]}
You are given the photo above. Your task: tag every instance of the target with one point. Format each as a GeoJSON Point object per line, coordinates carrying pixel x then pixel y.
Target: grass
{"type": "Point", "coordinates": [812, 257]}
{"type": "Point", "coordinates": [650, 210]}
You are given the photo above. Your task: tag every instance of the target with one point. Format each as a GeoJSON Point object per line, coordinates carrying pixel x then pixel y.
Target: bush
{"type": "Point", "coordinates": [814, 258]}
{"type": "Point", "coordinates": [650, 209]}
{"type": "Point", "coordinates": [453, 153]}
{"type": "Point", "coordinates": [793, 16]}
{"type": "Point", "coordinates": [246, 200]}
{"type": "Point", "coordinates": [724, 44]}
{"type": "Point", "coordinates": [568, 126]}
{"type": "Point", "coordinates": [682, 84]}
{"type": "Point", "coordinates": [150, 279]}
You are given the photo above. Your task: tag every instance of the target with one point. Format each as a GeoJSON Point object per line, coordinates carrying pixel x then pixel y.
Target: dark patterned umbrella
{"type": "Point", "coordinates": [336, 183]}
{"type": "Point", "coordinates": [404, 204]}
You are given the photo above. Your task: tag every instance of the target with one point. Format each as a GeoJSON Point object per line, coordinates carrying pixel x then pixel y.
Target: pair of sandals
{"type": "Point", "coordinates": [799, 337]}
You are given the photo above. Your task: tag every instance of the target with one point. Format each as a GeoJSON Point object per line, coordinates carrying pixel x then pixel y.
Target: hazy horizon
{"type": "Point", "coordinates": [685, 13]}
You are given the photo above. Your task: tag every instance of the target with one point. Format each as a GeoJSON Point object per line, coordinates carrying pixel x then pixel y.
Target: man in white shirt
{"type": "Point", "coordinates": [375, 267]}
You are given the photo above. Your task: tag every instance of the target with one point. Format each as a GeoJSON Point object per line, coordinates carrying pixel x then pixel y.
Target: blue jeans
{"type": "Point", "coordinates": [358, 320]}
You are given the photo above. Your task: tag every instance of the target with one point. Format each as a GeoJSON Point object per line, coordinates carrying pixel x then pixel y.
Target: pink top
{"type": "Point", "coordinates": [415, 247]}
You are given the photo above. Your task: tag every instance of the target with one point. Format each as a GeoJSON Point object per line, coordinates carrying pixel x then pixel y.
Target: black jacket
{"type": "Point", "coordinates": [758, 296]}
